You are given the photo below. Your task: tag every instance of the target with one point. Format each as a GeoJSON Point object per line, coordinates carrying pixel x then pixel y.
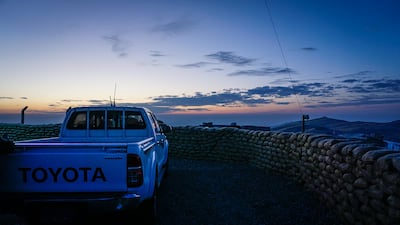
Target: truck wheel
{"type": "Point", "coordinates": [148, 211]}
{"type": "Point", "coordinates": [166, 173]}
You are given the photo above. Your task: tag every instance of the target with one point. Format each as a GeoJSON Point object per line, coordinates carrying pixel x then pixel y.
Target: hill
{"type": "Point", "coordinates": [388, 131]}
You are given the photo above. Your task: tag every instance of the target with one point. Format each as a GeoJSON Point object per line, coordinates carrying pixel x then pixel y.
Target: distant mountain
{"type": "Point", "coordinates": [387, 131]}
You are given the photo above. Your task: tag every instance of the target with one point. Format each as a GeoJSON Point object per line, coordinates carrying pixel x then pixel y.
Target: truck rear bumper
{"type": "Point", "coordinates": [92, 205]}
{"type": "Point", "coordinates": [125, 202]}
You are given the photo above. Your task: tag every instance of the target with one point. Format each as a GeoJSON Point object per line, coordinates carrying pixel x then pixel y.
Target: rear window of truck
{"type": "Point", "coordinates": [116, 120]}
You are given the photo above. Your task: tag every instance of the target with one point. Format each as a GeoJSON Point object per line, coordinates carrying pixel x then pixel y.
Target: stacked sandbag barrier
{"type": "Point", "coordinates": [195, 143]}
{"type": "Point", "coordinates": [18, 132]}
{"type": "Point", "coordinates": [359, 180]}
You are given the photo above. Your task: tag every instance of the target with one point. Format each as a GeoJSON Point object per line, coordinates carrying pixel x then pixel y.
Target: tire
{"type": "Point", "coordinates": [148, 210]}
{"type": "Point", "coordinates": [166, 173]}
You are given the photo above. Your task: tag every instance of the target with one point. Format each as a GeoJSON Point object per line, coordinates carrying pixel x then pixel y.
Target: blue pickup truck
{"type": "Point", "coordinates": [106, 159]}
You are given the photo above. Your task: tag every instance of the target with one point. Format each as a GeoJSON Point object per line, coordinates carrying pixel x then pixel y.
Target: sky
{"type": "Point", "coordinates": [192, 61]}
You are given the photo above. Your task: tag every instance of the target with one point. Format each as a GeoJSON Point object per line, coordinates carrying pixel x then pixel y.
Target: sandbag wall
{"type": "Point", "coordinates": [359, 180]}
{"type": "Point", "coordinates": [18, 132]}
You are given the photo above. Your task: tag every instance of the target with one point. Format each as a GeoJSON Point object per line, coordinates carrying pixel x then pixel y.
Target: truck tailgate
{"type": "Point", "coordinates": [64, 168]}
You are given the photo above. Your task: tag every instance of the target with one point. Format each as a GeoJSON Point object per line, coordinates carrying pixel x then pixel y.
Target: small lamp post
{"type": "Point", "coordinates": [23, 114]}
{"type": "Point", "coordinates": [303, 123]}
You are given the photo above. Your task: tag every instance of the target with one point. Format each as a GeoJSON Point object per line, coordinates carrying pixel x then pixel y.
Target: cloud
{"type": "Point", "coordinates": [357, 74]}
{"type": "Point", "coordinates": [356, 102]}
{"type": "Point", "coordinates": [194, 65]}
{"type": "Point", "coordinates": [350, 81]}
{"type": "Point", "coordinates": [279, 91]}
{"type": "Point", "coordinates": [99, 102]}
{"type": "Point", "coordinates": [24, 98]}
{"type": "Point", "coordinates": [282, 103]}
{"type": "Point", "coordinates": [387, 85]}
{"type": "Point", "coordinates": [230, 58]}
{"type": "Point", "coordinates": [370, 81]}
{"type": "Point", "coordinates": [309, 49]}
{"type": "Point", "coordinates": [215, 69]}
{"type": "Point", "coordinates": [198, 100]}
{"type": "Point", "coordinates": [361, 92]}
{"type": "Point", "coordinates": [175, 27]}
{"type": "Point", "coordinates": [5, 97]}
{"type": "Point", "coordinates": [314, 94]}
{"type": "Point", "coordinates": [118, 45]}
{"type": "Point", "coordinates": [358, 89]}
{"type": "Point", "coordinates": [71, 100]}
{"type": "Point", "coordinates": [262, 72]}
{"type": "Point", "coordinates": [66, 103]}
{"type": "Point", "coordinates": [227, 98]}
{"type": "Point", "coordinates": [284, 81]}
{"type": "Point", "coordinates": [254, 96]}
{"type": "Point", "coordinates": [156, 54]}
{"type": "Point", "coordinates": [197, 109]}
{"type": "Point", "coordinates": [235, 98]}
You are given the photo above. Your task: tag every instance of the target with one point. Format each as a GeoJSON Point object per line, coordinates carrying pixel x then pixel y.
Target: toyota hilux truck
{"type": "Point", "coordinates": [105, 159]}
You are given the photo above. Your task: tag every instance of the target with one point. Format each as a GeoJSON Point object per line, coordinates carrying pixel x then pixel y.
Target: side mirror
{"type": "Point", "coordinates": [165, 128]}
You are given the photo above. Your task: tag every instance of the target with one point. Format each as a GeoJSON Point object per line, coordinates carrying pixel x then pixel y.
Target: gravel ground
{"type": "Point", "coordinates": [201, 192]}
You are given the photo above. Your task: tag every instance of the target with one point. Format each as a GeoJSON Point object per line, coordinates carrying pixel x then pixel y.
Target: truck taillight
{"type": "Point", "coordinates": [134, 174]}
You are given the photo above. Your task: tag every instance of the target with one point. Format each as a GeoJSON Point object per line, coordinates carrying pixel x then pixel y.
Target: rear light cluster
{"type": "Point", "coordinates": [134, 174]}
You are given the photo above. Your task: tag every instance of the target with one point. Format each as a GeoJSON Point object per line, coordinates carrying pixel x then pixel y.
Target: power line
{"type": "Point", "coordinates": [283, 54]}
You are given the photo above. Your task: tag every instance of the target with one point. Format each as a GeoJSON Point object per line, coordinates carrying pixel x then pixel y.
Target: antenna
{"type": "Point", "coordinates": [304, 116]}
{"type": "Point", "coordinates": [112, 101]}
{"type": "Point", "coordinates": [115, 90]}
{"type": "Point", "coordinates": [282, 53]}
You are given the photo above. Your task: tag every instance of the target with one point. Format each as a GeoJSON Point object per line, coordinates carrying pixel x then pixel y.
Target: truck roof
{"type": "Point", "coordinates": [89, 108]}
